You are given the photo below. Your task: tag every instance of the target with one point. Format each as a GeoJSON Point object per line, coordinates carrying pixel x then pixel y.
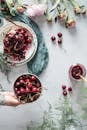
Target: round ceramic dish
{"type": "Point", "coordinates": [32, 50]}
{"type": "Point", "coordinates": [27, 88]}
{"type": "Point", "coordinates": [83, 71]}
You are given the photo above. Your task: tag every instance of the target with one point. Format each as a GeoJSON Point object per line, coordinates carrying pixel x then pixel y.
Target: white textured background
{"type": "Point", "coordinates": [56, 73]}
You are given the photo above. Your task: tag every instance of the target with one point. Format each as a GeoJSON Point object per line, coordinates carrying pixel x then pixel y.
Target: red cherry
{"type": "Point", "coordinates": [59, 34]}
{"type": "Point", "coordinates": [26, 36]}
{"type": "Point", "coordinates": [22, 31]}
{"type": "Point", "coordinates": [21, 77]}
{"type": "Point", "coordinates": [22, 90]}
{"type": "Point", "coordinates": [18, 93]}
{"type": "Point", "coordinates": [38, 85]}
{"type": "Point", "coordinates": [70, 89]}
{"type": "Point", "coordinates": [16, 89]}
{"type": "Point", "coordinates": [65, 93]}
{"type": "Point", "coordinates": [16, 37]}
{"type": "Point", "coordinates": [27, 90]}
{"type": "Point", "coordinates": [21, 81]}
{"type": "Point", "coordinates": [53, 38]}
{"type": "Point", "coordinates": [60, 41]}
{"type": "Point", "coordinates": [63, 87]}
{"type": "Point", "coordinates": [34, 89]}
{"type": "Point", "coordinates": [38, 89]}
{"type": "Point", "coordinates": [17, 83]}
{"type": "Point", "coordinates": [27, 80]}
{"type": "Point", "coordinates": [30, 85]}
{"type": "Point", "coordinates": [29, 40]}
{"type": "Point", "coordinates": [33, 78]}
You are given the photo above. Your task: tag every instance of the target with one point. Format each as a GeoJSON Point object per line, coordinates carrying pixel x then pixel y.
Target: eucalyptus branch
{"type": "Point", "coordinates": [5, 65]}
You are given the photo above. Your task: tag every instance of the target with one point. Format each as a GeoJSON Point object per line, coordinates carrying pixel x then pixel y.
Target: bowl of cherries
{"type": "Point", "coordinates": [76, 71]}
{"type": "Point", "coordinates": [27, 88]}
{"type": "Point", "coordinates": [19, 42]}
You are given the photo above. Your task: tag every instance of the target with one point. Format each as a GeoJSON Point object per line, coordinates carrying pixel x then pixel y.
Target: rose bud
{"type": "Point", "coordinates": [77, 10]}
{"type": "Point", "coordinates": [20, 9]}
{"type": "Point", "coordinates": [62, 16]}
{"type": "Point", "coordinates": [70, 23]}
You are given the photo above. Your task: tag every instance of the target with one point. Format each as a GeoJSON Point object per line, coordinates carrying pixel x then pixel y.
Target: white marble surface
{"type": "Point", "coordinates": [74, 50]}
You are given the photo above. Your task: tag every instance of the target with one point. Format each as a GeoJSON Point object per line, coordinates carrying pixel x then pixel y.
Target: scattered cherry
{"type": "Point", "coordinates": [63, 87]}
{"type": "Point", "coordinates": [59, 34]}
{"type": "Point", "coordinates": [65, 93]}
{"type": "Point", "coordinates": [60, 41]}
{"type": "Point", "coordinates": [53, 38]}
{"type": "Point", "coordinates": [70, 89]}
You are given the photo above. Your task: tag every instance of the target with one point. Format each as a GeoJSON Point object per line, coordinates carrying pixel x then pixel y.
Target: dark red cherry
{"type": "Point", "coordinates": [59, 34]}
{"type": "Point", "coordinates": [60, 41]}
{"type": "Point", "coordinates": [53, 38]}
{"type": "Point", "coordinates": [65, 93]}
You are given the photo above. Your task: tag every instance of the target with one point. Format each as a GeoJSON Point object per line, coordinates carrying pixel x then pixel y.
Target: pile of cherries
{"type": "Point", "coordinates": [17, 42]}
{"type": "Point", "coordinates": [27, 88]}
{"type": "Point", "coordinates": [76, 71]}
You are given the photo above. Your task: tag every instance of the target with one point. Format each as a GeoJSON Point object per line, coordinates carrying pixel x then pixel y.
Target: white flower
{"type": "Point", "coordinates": [36, 10]}
{"type": "Point", "coordinates": [77, 10]}
{"type": "Point", "coordinates": [70, 23]}
{"type": "Point", "coordinates": [62, 16]}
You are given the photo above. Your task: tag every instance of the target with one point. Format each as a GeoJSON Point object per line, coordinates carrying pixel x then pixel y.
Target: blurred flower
{"type": "Point", "coordinates": [62, 16]}
{"type": "Point", "coordinates": [35, 10]}
{"type": "Point", "coordinates": [20, 9]}
{"type": "Point", "coordinates": [77, 10]}
{"type": "Point", "coordinates": [70, 23]}
{"type": "Point", "coordinates": [83, 10]}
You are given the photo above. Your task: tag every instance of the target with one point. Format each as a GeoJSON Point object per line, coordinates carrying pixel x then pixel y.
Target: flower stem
{"type": "Point", "coordinates": [73, 3]}
{"type": "Point", "coordinates": [65, 4]}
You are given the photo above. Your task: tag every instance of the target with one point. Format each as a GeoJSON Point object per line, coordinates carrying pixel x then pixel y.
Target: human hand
{"type": "Point", "coordinates": [10, 99]}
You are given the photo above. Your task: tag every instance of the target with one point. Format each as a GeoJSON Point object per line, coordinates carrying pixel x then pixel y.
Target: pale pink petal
{"type": "Point", "coordinates": [36, 10]}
